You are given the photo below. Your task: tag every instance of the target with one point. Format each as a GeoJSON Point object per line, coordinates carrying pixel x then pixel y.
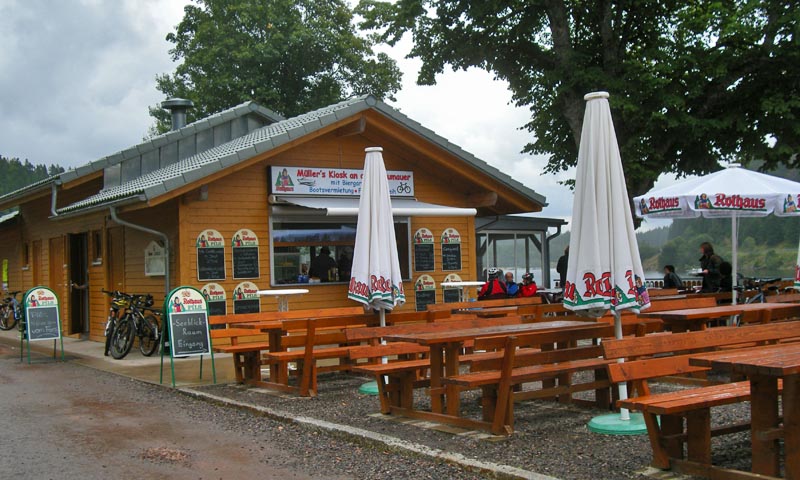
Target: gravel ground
{"type": "Point", "coordinates": [549, 438]}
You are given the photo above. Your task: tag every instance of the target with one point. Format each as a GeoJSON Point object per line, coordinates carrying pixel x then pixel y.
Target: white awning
{"type": "Point", "coordinates": [348, 207]}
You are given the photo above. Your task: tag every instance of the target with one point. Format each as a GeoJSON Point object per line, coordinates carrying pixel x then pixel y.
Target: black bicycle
{"type": "Point", "coordinates": [139, 322]}
{"type": "Point", "coordinates": [120, 302]}
{"type": "Point", "coordinates": [10, 311]}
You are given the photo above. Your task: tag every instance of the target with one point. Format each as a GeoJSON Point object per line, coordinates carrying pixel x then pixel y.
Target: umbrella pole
{"type": "Point", "coordinates": [624, 414]}
{"type": "Point", "coordinates": [735, 263]}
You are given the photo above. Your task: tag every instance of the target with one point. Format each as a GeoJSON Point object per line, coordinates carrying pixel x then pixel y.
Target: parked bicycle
{"type": "Point", "coordinates": [119, 306]}
{"type": "Point", "coordinates": [10, 311]}
{"type": "Point", "coordinates": [758, 288]}
{"type": "Point", "coordinates": [139, 322]}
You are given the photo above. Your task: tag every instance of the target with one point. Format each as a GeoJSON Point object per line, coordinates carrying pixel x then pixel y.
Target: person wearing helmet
{"type": "Point", "coordinates": [528, 287]}
{"type": "Point", "coordinates": [493, 288]}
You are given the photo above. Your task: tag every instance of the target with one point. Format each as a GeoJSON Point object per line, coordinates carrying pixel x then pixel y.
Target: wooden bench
{"type": "Point", "coordinates": [246, 344]}
{"type": "Point", "coordinates": [406, 373]}
{"type": "Point", "coordinates": [662, 355]}
{"type": "Point", "coordinates": [783, 298]}
{"type": "Point", "coordinates": [531, 358]}
{"type": "Point", "coordinates": [458, 307]}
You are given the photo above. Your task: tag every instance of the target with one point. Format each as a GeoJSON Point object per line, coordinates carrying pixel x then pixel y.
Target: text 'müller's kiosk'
{"type": "Point", "coordinates": [42, 321]}
{"type": "Point", "coordinates": [186, 314]}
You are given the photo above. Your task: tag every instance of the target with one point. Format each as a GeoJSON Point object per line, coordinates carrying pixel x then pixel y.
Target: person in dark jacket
{"type": "Point", "coordinates": [709, 266]}
{"type": "Point", "coordinates": [561, 267]}
{"type": "Point", "coordinates": [671, 279]}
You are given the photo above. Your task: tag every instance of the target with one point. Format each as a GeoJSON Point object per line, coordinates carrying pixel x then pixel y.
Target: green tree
{"type": "Point", "coordinates": [288, 55]}
{"type": "Point", "coordinates": [691, 83]}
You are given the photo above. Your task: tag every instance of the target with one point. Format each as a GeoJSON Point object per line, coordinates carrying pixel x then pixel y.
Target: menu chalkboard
{"type": "Point", "coordinates": [245, 262]}
{"type": "Point", "coordinates": [217, 308]}
{"type": "Point", "coordinates": [252, 305]}
{"type": "Point", "coordinates": [424, 298]}
{"type": "Point", "coordinates": [43, 323]}
{"type": "Point", "coordinates": [211, 263]}
{"type": "Point", "coordinates": [451, 256]}
{"type": "Point", "coordinates": [423, 257]}
{"type": "Point", "coordinates": [451, 295]}
{"type": "Point", "coordinates": [189, 333]}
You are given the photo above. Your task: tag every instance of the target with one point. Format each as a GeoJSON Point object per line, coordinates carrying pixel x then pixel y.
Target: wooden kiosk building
{"type": "Point", "coordinates": [246, 200]}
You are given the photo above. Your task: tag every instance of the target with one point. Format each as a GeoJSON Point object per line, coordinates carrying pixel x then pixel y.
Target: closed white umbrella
{"type": "Point", "coordinates": [604, 270]}
{"type": "Point", "coordinates": [375, 278]}
{"type": "Point", "coordinates": [729, 193]}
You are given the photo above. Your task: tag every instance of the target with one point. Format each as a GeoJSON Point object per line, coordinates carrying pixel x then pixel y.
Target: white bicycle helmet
{"type": "Point", "coordinates": [492, 272]}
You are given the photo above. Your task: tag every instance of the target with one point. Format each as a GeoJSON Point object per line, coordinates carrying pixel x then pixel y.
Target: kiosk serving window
{"type": "Point", "coordinates": [320, 249]}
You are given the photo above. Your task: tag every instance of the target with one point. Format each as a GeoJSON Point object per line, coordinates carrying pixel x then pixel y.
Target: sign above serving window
{"type": "Point", "coordinates": [333, 181]}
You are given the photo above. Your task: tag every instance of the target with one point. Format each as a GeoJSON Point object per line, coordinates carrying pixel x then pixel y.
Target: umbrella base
{"type": "Point", "coordinates": [612, 425]}
{"type": "Point", "coordinates": [369, 388]}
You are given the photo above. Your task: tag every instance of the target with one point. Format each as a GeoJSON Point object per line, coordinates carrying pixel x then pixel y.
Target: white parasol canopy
{"type": "Point", "coordinates": [604, 271]}
{"type": "Point", "coordinates": [375, 275]}
{"type": "Point", "coordinates": [733, 192]}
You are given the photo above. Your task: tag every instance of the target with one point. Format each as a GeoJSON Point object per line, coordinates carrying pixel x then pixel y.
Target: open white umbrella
{"type": "Point", "coordinates": [375, 278]}
{"type": "Point", "coordinates": [730, 193]}
{"type": "Point", "coordinates": [604, 270]}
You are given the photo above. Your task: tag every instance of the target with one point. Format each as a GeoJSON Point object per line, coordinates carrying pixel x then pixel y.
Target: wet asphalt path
{"type": "Point", "coordinates": [66, 421]}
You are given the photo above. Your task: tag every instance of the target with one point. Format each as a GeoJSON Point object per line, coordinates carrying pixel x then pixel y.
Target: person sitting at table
{"type": "Point", "coordinates": [493, 288]}
{"type": "Point", "coordinates": [512, 288]}
{"type": "Point", "coordinates": [528, 287]}
{"type": "Point", "coordinates": [671, 279]}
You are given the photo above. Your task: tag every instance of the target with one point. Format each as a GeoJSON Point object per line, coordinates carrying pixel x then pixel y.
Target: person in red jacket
{"type": "Point", "coordinates": [528, 287]}
{"type": "Point", "coordinates": [493, 288]}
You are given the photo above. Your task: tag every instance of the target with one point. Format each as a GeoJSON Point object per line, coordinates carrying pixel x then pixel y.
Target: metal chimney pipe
{"type": "Point", "coordinates": [178, 107]}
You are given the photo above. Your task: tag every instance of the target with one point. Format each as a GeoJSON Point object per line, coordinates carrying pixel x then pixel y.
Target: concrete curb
{"type": "Point", "coordinates": [493, 469]}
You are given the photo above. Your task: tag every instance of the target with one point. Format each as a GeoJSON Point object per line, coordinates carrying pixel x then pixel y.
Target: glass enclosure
{"type": "Point", "coordinates": [516, 252]}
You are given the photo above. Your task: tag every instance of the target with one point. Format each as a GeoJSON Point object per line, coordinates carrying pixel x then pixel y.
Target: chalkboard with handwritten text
{"type": "Point", "coordinates": [189, 333]}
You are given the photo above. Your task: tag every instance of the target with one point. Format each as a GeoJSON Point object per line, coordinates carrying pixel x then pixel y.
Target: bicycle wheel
{"type": "Point", "coordinates": [7, 319]}
{"type": "Point", "coordinates": [148, 341]}
{"type": "Point", "coordinates": [110, 329]}
{"type": "Point", "coordinates": [122, 340]}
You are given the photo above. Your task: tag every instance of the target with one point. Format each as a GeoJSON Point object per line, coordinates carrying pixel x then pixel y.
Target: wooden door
{"type": "Point", "coordinates": [116, 259]}
{"type": "Point", "coordinates": [37, 263]}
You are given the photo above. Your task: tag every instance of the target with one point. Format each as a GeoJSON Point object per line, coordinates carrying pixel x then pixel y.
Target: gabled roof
{"type": "Point", "coordinates": [199, 166]}
{"type": "Point", "coordinates": [147, 146]}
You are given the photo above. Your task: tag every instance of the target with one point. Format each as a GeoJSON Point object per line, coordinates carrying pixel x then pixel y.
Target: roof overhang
{"type": "Point", "coordinates": [348, 207]}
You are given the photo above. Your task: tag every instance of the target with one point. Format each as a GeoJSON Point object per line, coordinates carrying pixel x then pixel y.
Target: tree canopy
{"type": "Point", "coordinates": [291, 56]}
{"type": "Point", "coordinates": [691, 83]}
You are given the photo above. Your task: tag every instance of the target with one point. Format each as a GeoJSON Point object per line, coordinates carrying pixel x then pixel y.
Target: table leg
{"type": "Point", "coordinates": [283, 303]}
{"type": "Point", "coordinates": [437, 367]}
{"type": "Point", "coordinates": [791, 425]}
{"type": "Point", "coordinates": [452, 351]}
{"type": "Point", "coordinates": [764, 417]}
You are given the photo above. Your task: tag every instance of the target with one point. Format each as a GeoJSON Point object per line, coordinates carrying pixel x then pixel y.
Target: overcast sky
{"type": "Point", "coordinates": [78, 76]}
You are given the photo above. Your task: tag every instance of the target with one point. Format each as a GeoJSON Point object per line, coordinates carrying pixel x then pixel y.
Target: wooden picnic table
{"type": "Point", "coordinates": [445, 347]}
{"type": "Point", "coordinates": [695, 319]}
{"type": "Point", "coordinates": [764, 366]}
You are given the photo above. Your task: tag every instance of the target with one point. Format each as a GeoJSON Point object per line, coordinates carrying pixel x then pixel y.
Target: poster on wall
{"type": "Point", "coordinates": [287, 180]}
{"type": "Point", "coordinates": [451, 294]}
{"type": "Point", "coordinates": [245, 254]}
{"type": "Point", "coordinates": [216, 298]}
{"type": "Point", "coordinates": [246, 299]}
{"type": "Point", "coordinates": [423, 251]}
{"type": "Point", "coordinates": [210, 256]}
{"type": "Point", "coordinates": [451, 249]}
{"type": "Point", "coordinates": [424, 292]}
{"type": "Point", "coordinates": [155, 260]}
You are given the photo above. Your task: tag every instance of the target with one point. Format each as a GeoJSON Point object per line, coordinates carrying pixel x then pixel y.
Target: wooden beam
{"type": "Point", "coordinates": [355, 128]}
{"type": "Point", "coordinates": [482, 199]}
